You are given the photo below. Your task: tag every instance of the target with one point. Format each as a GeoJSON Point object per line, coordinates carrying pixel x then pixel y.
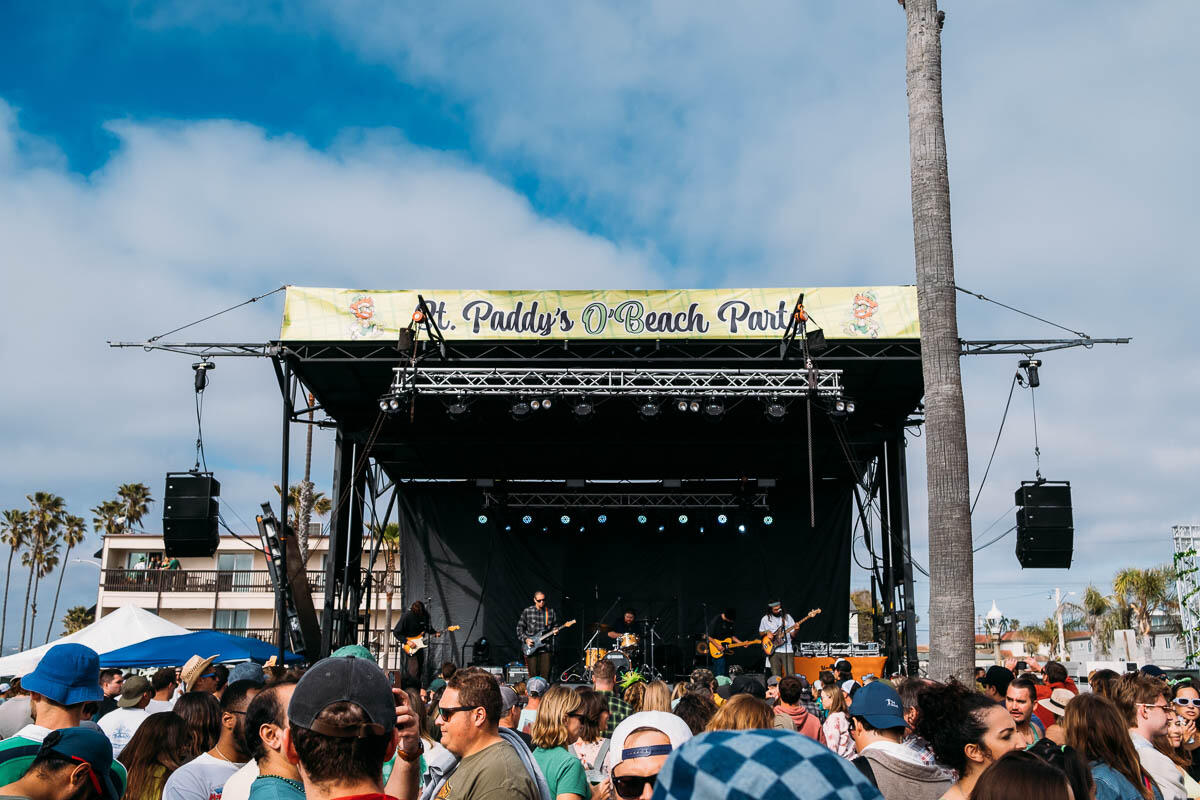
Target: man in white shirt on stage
{"type": "Point", "coordinates": [776, 623]}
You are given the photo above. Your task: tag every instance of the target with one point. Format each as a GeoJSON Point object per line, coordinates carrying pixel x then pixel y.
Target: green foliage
{"type": "Point", "coordinates": [77, 618]}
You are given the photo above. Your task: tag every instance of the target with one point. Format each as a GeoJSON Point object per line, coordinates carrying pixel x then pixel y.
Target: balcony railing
{"type": "Point", "coordinates": [208, 580]}
{"type": "Point", "coordinates": [264, 634]}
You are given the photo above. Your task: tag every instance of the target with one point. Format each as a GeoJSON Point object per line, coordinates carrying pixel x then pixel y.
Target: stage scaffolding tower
{"type": "Point", "coordinates": [1187, 586]}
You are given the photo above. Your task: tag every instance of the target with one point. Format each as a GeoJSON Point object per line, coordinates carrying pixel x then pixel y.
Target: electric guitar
{"type": "Point", "coordinates": [540, 639]}
{"type": "Point", "coordinates": [718, 647]}
{"type": "Point", "coordinates": [770, 641]}
{"type": "Point", "coordinates": [414, 643]}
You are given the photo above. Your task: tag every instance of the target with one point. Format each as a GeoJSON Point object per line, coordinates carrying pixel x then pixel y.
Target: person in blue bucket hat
{"type": "Point", "coordinates": [71, 764]}
{"type": "Point", "coordinates": [66, 678]}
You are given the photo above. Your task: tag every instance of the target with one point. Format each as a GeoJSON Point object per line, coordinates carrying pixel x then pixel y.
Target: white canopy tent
{"type": "Point", "coordinates": [125, 626]}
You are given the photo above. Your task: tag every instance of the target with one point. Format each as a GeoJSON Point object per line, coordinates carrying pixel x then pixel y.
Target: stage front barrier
{"type": "Point", "coordinates": [863, 665]}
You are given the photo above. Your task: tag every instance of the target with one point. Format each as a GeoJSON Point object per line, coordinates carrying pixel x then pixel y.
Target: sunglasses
{"type": "Point", "coordinates": [577, 715]}
{"type": "Point", "coordinates": [447, 713]}
{"type": "Point", "coordinates": [631, 786]}
{"type": "Point", "coordinates": [1187, 701]}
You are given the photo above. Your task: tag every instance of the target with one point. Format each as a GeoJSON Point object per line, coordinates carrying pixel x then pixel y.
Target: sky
{"type": "Point", "coordinates": [163, 160]}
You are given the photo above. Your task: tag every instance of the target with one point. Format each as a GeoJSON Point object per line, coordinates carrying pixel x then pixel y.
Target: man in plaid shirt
{"type": "Point", "coordinates": [604, 676]}
{"type": "Point", "coordinates": [535, 619]}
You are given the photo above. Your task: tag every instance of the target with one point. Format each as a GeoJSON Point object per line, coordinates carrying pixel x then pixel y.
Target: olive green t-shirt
{"type": "Point", "coordinates": [495, 772]}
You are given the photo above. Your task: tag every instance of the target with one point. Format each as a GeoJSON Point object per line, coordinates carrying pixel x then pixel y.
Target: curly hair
{"type": "Point", "coordinates": [635, 693]}
{"type": "Point", "coordinates": [951, 716]}
{"type": "Point", "coordinates": [696, 710]}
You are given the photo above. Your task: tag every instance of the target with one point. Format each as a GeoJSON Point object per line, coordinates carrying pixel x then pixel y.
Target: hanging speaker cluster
{"type": "Point", "coordinates": [190, 514]}
{"type": "Point", "coordinates": [1045, 524]}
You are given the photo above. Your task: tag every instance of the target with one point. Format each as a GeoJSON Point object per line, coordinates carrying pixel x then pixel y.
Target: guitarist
{"type": "Point", "coordinates": [534, 620]}
{"type": "Point", "coordinates": [414, 622]}
{"type": "Point", "coordinates": [773, 622]}
{"type": "Point", "coordinates": [721, 627]}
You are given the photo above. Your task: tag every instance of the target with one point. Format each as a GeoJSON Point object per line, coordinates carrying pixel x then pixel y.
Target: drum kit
{"type": "Point", "coordinates": [625, 655]}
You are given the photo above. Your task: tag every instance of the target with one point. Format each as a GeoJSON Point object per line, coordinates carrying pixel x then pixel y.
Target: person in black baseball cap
{"type": "Point", "coordinates": [995, 682]}
{"type": "Point", "coordinates": [71, 764]}
{"type": "Point", "coordinates": [344, 722]}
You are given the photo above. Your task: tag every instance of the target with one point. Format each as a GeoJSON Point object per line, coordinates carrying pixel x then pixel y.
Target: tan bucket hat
{"type": "Point", "coordinates": [194, 669]}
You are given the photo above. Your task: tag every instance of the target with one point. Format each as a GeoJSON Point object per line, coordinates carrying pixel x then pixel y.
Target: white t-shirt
{"type": "Point", "coordinates": [202, 778]}
{"type": "Point", "coordinates": [155, 706]}
{"type": "Point", "coordinates": [525, 721]}
{"type": "Point", "coordinates": [238, 785]}
{"type": "Point", "coordinates": [772, 623]}
{"type": "Point", "coordinates": [119, 726]}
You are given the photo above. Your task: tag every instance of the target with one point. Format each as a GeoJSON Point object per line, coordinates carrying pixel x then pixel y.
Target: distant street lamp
{"type": "Point", "coordinates": [996, 625]}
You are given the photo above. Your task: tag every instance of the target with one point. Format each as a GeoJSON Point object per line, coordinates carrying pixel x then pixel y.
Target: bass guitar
{"type": "Point", "coordinates": [419, 642]}
{"type": "Point", "coordinates": [540, 639]}
{"type": "Point", "coordinates": [770, 641]}
{"type": "Point", "coordinates": [718, 647]}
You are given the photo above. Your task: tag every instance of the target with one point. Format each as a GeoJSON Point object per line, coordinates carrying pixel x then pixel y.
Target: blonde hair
{"type": "Point", "coordinates": [656, 698]}
{"type": "Point", "coordinates": [550, 726]}
{"type": "Point", "coordinates": [634, 695]}
{"type": "Point", "coordinates": [680, 690]}
{"type": "Point", "coordinates": [742, 712]}
{"type": "Point", "coordinates": [835, 699]}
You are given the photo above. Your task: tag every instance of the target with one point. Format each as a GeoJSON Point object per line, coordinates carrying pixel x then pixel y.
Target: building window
{"type": "Point", "coordinates": [1089, 645]}
{"type": "Point", "coordinates": [232, 620]}
{"type": "Point", "coordinates": [1167, 642]}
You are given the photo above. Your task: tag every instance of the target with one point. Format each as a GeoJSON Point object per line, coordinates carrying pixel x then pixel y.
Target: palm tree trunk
{"type": "Point", "coordinates": [951, 581]}
{"type": "Point", "coordinates": [54, 609]}
{"type": "Point", "coordinates": [4, 614]}
{"type": "Point", "coordinates": [389, 564]}
{"type": "Point", "coordinates": [37, 580]}
{"type": "Point", "coordinates": [306, 490]}
{"type": "Point", "coordinates": [25, 615]}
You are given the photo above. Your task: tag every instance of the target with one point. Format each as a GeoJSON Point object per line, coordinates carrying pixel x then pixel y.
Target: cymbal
{"type": "Point", "coordinates": [599, 626]}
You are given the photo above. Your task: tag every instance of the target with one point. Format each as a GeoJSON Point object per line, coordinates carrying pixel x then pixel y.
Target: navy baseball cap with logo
{"type": "Point", "coordinates": [879, 705]}
{"type": "Point", "coordinates": [90, 747]}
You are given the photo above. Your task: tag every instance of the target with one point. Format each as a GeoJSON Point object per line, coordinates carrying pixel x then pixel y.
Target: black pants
{"type": "Point", "coordinates": [539, 664]}
{"type": "Point", "coordinates": [414, 667]}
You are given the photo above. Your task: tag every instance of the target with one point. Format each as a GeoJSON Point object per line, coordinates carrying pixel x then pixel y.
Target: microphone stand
{"type": "Point", "coordinates": [596, 632]}
{"type": "Point", "coordinates": [704, 638]}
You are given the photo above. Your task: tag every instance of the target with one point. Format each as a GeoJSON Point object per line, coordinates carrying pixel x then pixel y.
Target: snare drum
{"type": "Point", "coordinates": [593, 656]}
{"type": "Point", "coordinates": [627, 641]}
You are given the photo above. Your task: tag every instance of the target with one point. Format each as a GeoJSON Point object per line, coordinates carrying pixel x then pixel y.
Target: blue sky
{"type": "Point", "coordinates": [159, 160]}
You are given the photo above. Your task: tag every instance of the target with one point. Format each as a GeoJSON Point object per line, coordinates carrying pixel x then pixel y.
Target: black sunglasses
{"type": "Point", "coordinates": [447, 713]}
{"type": "Point", "coordinates": [630, 786]}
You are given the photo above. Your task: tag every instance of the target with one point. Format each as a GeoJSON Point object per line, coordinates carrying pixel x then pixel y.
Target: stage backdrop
{"type": "Point", "coordinates": [480, 577]}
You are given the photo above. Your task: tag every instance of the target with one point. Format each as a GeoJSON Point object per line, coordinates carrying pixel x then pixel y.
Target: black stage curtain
{"type": "Point", "coordinates": [481, 577]}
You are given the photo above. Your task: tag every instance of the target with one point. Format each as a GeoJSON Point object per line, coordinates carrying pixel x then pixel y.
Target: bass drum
{"type": "Point", "coordinates": [593, 656]}
{"type": "Point", "coordinates": [619, 661]}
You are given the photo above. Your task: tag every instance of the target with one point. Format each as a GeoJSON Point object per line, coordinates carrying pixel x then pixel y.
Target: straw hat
{"type": "Point", "coordinates": [1056, 703]}
{"type": "Point", "coordinates": [194, 669]}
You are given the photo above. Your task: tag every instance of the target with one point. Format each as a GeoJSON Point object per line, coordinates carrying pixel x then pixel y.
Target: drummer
{"type": "Point", "coordinates": [627, 624]}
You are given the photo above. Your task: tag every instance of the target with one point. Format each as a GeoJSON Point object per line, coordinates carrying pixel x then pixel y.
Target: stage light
{"type": "Point", "coordinates": [565, 519]}
{"type": "Point", "coordinates": [648, 408]}
{"type": "Point", "coordinates": [702, 529]}
{"type": "Point", "coordinates": [394, 404]}
{"type": "Point", "coordinates": [849, 406]}
{"type": "Point", "coordinates": [775, 409]}
{"type": "Point", "coordinates": [602, 518]}
{"type": "Point", "coordinates": [546, 403]}
{"type": "Point", "coordinates": [768, 520]}
{"type": "Point", "coordinates": [383, 404]}
{"type": "Point", "coordinates": [583, 408]}
{"type": "Point", "coordinates": [581, 529]}
{"type": "Point", "coordinates": [535, 404]}
{"type": "Point", "coordinates": [527, 519]}
{"type": "Point", "coordinates": [683, 519]}
{"type": "Point", "coordinates": [641, 519]}
{"type": "Point", "coordinates": [507, 528]}
{"type": "Point", "coordinates": [840, 406]}
{"type": "Point", "coordinates": [662, 528]}
{"type": "Point", "coordinates": [482, 519]}
{"type": "Point", "coordinates": [457, 407]}
{"type": "Point", "coordinates": [694, 406]}
{"type": "Point", "coordinates": [682, 405]}
{"type": "Point", "coordinates": [722, 519]}
{"type": "Point", "coordinates": [714, 408]}
{"type": "Point", "coordinates": [520, 408]}
{"type": "Point", "coordinates": [741, 527]}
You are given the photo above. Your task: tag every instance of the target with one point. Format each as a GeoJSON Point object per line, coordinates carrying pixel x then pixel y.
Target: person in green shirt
{"type": "Point", "coordinates": [66, 679]}
{"type": "Point", "coordinates": [557, 726]}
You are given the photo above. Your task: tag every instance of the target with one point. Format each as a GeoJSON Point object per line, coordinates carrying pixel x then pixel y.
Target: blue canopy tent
{"type": "Point", "coordinates": [174, 651]}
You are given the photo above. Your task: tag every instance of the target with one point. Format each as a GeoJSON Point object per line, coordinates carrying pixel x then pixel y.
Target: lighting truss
{"type": "Point", "coordinates": [614, 500]}
{"type": "Point", "coordinates": [615, 382]}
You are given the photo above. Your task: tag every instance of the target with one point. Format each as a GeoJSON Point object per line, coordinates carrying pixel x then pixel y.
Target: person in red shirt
{"type": "Point", "coordinates": [1056, 678]}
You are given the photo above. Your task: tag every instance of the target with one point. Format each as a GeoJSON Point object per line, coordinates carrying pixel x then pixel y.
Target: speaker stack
{"type": "Point", "coordinates": [1045, 524]}
{"type": "Point", "coordinates": [190, 510]}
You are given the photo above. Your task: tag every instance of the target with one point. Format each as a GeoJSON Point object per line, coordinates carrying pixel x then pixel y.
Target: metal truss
{"type": "Point", "coordinates": [1187, 586]}
{"type": "Point", "coordinates": [507, 381]}
{"type": "Point", "coordinates": [206, 350]}
{"type": "Point", "coordinates": [613, 500]}
{"type": "Point", "coordinates": [987, 347]}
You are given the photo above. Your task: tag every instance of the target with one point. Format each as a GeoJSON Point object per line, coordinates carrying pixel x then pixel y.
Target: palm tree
{"type": "Point", "coordinates": [45, 516]}
{"type": "Point", "coordinates": [307, 496]}
{"type": "Point", "coordinates": [389, 538]}
{"type": "Point", "coordinates": [951, 568]}
{"type": "Point", "coordinates": [14, 532]}
{"type": "Point", "coordinates": [73, 531]}
{"type": "Point", "coordinates": [77, 618]}
{"type": "Point", "coordinates": [1093, 610]}
{"type": "Point", "coordinates": [1044, 634]}
{"type": "Point", "coordinates": [46, 559]}
{"type": "Point", "coordinates": [1145, 591]}
{"type": "Point", "coordinates": [321, 503]}
{"type": "Point", "coordinates": [303, 502]}
{"type": "Point", "coordinates": [135, 503]}
{"type": "Point", "coordinates": [107, 518]}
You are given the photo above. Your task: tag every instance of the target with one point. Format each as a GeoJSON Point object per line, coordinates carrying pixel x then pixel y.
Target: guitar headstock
{"type": "Point", "coordinates": [568, 624]}
{"type": "Point", "coordinates": [812, 613]}
{"type": "Point", "coordinates": [453, 628]}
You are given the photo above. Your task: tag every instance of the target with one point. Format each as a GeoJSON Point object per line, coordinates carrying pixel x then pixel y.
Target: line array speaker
{"type": "Point", "coordinates": [1045, 524]}
{"type": "Point", "coordinates": [190, 511]}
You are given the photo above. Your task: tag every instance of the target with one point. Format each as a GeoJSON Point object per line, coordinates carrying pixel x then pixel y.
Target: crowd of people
{"type": "Point", "coordinates": [340, 729]}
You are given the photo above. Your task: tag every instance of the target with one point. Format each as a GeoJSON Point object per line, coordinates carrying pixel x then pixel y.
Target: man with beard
{"type": "Point", "coordinates": [414, 622]}
{"type": "Point", "coordinates": [203, 778]}
{"type": "Point", "coordinates": [1020, 701]}
{"type": "Point", "coordinates": [775, 621]}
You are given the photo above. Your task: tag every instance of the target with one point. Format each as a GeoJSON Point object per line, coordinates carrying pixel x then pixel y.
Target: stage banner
{"type": "Point", "coordinates": [338, 315]}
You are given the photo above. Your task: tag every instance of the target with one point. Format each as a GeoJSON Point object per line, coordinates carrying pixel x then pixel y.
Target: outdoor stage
{"type": "Point", "coordinates": [612, 496]}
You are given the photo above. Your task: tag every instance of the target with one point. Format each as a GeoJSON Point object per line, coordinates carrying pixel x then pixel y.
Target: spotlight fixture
{"type": "Point", "coordinates": [520, 408]}
{"type": "Point", "coordinates": [482, 518]}
{"type": "Point", "coordinates": [507, 528]}
{"type": "Point", "coordinates": [602, 518]}
{"type": "Point", "coordinates": [457, 407]}
{"type": "Point", "coordinates": [565, 519]}
{"type": "Point", "coordinates": [722, 519]}
{"type": "Point", "coordinates": [546, 403]}
{"type": "Point", "coordinates": [714, 408]}
{"type": "Point", "coordinates": [768, 520]}
{"type": "Point", "coordinates": [648, 408]}
{"type": "Point", "coordinates": [694, 406]}
{"type": "Point", "coordinates": [683, 519]}
{"type": "Point", "coordinates": [583, 408]}
{"type": "Point", "coordinates": [535, 404]}
{"type": "Point", "coordinates": [843, 406]}
{"type": "Point", "coordinates": [641, 519]}
{"type": "Point", "coordinates": [394, 404]}
{"type": "Point", "coordinates": [682, 405]}
{"type": "Point", "coordinates": [662, 528]}
{"type": "Point", "coordinates": [741, 527]}
{"type": "Point", "coordinates": [775, 409]}
{"type": "Point", "coordinates": [849, 406]}
{"type": "Point", "coordinates": [383, 404]}
{"type": "Point", "coordinates": [527, 519]}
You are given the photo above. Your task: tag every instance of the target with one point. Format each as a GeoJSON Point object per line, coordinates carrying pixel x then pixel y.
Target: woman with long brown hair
{"type": "Point", "coordinates": [591, 747]}
{"type": "Point", "coordinates": [201, 713]}
{"type": "Point", "coordinates": [1097, 729]}
{"type": "Point", "coordinates": [1023, 775]}
{"type": "Point", "coordinates": [742, 712]}
{"type": "Point", "coordinates": [161, 744]}
{"type": "Point", "coordinates": [836, 726]}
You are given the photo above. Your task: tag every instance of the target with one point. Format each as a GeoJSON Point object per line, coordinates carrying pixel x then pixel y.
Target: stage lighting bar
{"type": "Point", "coordinates": [696, 384]}
{"type": "Point", "coordinates": [612, 500]}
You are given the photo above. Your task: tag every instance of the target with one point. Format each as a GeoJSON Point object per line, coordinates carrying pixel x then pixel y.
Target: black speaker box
{"type": "Point", "coordinates": [190, 514]}
{"type": "Point", "coordinates": [1045, 525]}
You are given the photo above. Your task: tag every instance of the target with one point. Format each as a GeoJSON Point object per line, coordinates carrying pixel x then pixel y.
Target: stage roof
{"type": "Point", "coordinates": [872, 337]}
